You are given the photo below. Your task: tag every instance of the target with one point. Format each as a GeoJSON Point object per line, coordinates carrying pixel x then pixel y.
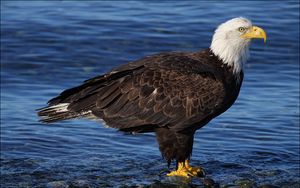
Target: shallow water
{"type": "Point", "coordinates": [47, 47]}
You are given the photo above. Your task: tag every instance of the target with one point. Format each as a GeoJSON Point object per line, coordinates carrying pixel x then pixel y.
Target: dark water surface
{"type": "Point", "coordinates": [50, 46]}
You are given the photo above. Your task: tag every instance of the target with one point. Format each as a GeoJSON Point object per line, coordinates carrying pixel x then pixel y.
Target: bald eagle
{"type": "Point", "coordinates": [172, 94]}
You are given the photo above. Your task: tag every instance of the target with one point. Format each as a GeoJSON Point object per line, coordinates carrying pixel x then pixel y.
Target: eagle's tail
{"type": "Point", "coordinates": [56, 112]}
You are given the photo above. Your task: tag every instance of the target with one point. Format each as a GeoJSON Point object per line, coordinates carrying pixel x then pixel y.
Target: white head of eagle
{"type": "Point", "coordinates": [231, 41]}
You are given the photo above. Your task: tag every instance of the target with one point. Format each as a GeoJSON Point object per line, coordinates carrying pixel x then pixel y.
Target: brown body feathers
{"type": "Point", "coordinates": [172, 94]}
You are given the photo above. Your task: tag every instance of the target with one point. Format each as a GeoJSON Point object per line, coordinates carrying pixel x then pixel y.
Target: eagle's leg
{"type": "Point", "coordinates": [178, 146]}
{"type": "Point", "coordinates": [185, 170]}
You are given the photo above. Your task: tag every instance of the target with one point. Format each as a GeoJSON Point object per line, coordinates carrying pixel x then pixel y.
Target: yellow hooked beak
{"type": "Point", "coordinates": [255, 33]}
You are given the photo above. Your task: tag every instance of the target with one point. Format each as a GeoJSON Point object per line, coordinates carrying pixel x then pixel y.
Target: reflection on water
{"type": "Point", "coordinates": [49, 46]}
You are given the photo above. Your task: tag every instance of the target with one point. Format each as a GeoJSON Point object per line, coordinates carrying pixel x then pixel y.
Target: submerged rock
{"type": "Point", "coordinates": [268, 186]}
{"type": "Point", "coordinates": [57, 184]}
{"type": "Point", "coordinates": [80, 184]}
{"type": "Point", "coordinates": [210, 183]}
{"type": "Point", "coordinates": [245, 183]}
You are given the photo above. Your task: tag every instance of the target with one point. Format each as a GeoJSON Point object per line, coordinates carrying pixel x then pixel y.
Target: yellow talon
{"type": "Point", "coordinates": [195, 171]}
{"type": "Point", "coordinates": [185, 170]}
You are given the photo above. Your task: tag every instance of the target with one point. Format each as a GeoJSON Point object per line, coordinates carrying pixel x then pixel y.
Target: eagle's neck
{"type": "Point", "coordinates": [233, 53]}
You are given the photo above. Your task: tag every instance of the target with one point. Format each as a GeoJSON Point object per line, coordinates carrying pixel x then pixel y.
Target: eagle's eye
{"type": "Point", "coordinates": [241, 29]}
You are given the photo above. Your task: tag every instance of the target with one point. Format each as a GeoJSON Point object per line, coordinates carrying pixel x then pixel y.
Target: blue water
{"type": "Point", "coordinates": [47, 47]}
